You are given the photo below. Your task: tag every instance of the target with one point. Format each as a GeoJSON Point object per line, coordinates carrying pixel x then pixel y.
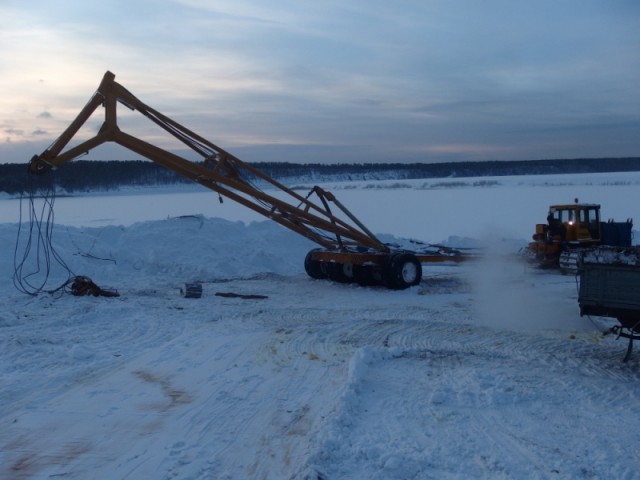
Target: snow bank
{"type": "Point", "coordinates": [170, 252]}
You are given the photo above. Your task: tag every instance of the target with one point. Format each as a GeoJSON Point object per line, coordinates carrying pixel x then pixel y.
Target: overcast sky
{"type": "Point", "coordinates": [334, 81]}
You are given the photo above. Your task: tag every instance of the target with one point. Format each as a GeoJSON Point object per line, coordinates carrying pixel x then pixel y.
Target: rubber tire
{"type": "Point", "coordinates": [337, 273]}
{"type": "Point", "coordinates": [403, 270]}
{"type": "Point", "coordinates": [314, 267]}
{"type": "Point", "coordinates": [363, 275]}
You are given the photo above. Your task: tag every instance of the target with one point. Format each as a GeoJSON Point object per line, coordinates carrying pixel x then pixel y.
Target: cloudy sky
{"type": "Point", "coordinates": [334, 81]}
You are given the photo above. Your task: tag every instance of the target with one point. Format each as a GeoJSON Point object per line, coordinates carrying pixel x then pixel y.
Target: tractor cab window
{"type": "Point", "coordinates": [554, 216]}
{"type": "Point", "coordinates": [592, 222]}
{"type": "Point", "coordinates": [555, 220]}
{"type": "Point", "coordinates": [584, 215]}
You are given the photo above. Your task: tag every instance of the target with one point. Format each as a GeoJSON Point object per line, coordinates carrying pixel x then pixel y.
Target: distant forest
{"type": "Point", "coordinates": [83, 175]}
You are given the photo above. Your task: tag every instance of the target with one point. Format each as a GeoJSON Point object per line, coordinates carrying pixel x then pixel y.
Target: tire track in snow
{"type": "Point", "coordinates": [487, 411]}
{"type": "Point", "coordinates": [305, 356]}
{"type": "Point", "coordinates": [254, 371]}
{"type": "Point", "coordinates": [49, 348]}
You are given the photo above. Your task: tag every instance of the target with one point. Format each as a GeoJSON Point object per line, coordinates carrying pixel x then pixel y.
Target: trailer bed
{"type": "Point", "coordinates": [610, 287]}
{"type": "Point", "coordinates": [610, 290]}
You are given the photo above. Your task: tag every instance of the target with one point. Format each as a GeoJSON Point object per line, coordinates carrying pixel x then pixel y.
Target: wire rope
{"type": "Point", "coordinates": [34, 255]}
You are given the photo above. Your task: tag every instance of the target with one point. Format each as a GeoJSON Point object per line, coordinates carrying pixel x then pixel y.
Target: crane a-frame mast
{"type": "Point", "coordinates": [219, 170]}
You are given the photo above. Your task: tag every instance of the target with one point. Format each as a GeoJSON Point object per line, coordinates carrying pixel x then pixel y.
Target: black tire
{"type": "Point", "coordinates": [363, 275]}
{"type": "Point", "coordinates": [314, 267]}
{"type": "Point", "coordinates": [339, 272]}
{"type": "Point", "coordinates": [403, 270]}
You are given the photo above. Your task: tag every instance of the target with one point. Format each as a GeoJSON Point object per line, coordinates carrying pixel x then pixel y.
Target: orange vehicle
{"type": "Point", "coordinates": [571, 229]}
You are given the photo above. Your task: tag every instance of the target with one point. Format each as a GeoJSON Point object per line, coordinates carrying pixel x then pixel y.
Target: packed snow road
{"type": "Point", "coordinates": [483, 370]}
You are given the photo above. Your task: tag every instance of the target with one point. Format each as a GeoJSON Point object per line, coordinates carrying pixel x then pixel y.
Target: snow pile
{"type": "Point", "coordinates": [171, 252]}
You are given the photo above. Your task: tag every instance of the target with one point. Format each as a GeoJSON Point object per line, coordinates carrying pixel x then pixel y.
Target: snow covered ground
{"type": "Point", "coordinates": [484, 370]}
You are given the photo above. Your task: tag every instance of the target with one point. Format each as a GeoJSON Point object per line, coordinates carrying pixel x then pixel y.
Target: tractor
{"type": "Point", "coordinates": [572, 229]}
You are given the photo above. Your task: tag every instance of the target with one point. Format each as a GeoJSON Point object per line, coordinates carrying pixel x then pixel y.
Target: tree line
{"type": "Point", "coordinates": [85, 175]}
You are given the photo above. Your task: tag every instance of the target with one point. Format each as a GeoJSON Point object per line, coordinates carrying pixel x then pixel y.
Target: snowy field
{"type": "Point", "coordinates": [484, 370]}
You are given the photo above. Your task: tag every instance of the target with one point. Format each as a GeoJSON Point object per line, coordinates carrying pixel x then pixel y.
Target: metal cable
{"type": "Point", "coordinates": [34, 254]}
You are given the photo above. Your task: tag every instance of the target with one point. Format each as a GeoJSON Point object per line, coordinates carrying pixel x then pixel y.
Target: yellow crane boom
{"type": "Point", "coordinates": [349, 251]}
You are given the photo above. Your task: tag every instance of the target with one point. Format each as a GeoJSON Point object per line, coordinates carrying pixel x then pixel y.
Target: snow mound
{"type": "Point", "coordinates": [613, 256]}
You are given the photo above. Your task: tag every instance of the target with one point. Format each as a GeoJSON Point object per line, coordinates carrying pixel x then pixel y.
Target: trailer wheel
{"type": "Point", "coordinates": [339, 272]}
{"type": "Point", "coordinates": [363, 275]}
{"type": "Point", "coordinates": [314, 267]}
{"type": "Point", "coordinates": [403, 270]}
